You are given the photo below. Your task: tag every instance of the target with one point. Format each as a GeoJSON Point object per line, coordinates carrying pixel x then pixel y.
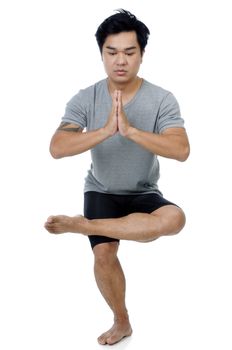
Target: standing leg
{"type": "Point", "coordinates": [112, 285]}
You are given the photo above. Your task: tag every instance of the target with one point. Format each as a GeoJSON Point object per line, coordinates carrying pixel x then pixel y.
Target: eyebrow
{"type": "Point", "coordinates": [126, 49]}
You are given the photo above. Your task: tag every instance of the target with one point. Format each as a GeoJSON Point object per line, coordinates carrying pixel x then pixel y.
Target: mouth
{"type": "Point", "coordinates": [120, 72]}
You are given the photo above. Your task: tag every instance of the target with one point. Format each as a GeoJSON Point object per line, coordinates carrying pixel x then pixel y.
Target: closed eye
{"type": "Point", "coordinates": [126, 53]}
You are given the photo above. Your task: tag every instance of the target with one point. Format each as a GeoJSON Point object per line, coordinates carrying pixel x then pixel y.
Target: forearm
{"type": "Point", "coordinates": [75, 143]}
{"type": "Point", "coordinates": [165, 145]}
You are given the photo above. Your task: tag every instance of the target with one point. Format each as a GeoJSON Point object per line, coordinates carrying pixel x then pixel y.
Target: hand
{"type": "Point", "coordinates": [111, 126]}
{"type": "Point", "coordinates": [117, 120]}
{"type": "Point", "coordinates": [123, 124]}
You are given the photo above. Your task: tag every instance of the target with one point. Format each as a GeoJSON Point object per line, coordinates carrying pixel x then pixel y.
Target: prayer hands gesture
{"type": "Point", "coordinates": [117, 121]}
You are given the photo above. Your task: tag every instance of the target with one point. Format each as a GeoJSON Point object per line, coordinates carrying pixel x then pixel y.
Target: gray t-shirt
{"type": "Point", "coordinates": [120, 166]}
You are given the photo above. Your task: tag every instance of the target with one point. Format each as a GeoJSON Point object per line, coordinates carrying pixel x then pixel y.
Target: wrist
{"type": "Point", "coordinates": [105, 132]}
{"type": "Point", "coordinates": [131, 132]}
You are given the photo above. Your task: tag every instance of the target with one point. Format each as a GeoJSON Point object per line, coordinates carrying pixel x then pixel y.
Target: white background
{"type": "Point", "coordinates": [178, 288]}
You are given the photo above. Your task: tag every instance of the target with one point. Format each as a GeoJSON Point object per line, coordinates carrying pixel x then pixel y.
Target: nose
{"type": "Point", "coordinates": [121, 59]}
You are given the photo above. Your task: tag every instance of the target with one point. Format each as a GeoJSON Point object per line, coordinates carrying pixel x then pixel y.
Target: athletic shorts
{"type": "Point", "coordinates": [104, 206]}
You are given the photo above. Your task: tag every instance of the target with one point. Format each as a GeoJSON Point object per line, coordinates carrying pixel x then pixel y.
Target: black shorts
{"type": "Point", "coordinates": [104, 206]}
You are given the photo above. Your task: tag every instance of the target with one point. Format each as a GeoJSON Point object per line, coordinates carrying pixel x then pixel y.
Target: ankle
{"type": "Point", "coordinates": [121, 318]}
{"type": "Point", "coordinates": [79, 224]}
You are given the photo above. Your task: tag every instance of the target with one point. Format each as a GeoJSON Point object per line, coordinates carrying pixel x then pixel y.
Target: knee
{"type": "Point", "coordinates": [179, 220]}
{"type": "Point", "coordinates": [105, 253]}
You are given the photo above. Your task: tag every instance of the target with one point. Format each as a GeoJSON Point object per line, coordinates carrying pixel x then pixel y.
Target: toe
{"type": "Point", "coordinates": [50, 219]}
{"type": "Point", "coordinates": [113, 340]}
{"type": "Point", "coordinates": [101, 340]}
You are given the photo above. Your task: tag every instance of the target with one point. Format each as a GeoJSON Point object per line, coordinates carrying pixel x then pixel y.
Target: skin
{"type": "Point", "coordinates": [122, 58]}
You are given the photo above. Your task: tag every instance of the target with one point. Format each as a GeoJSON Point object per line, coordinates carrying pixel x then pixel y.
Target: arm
{"type": "Point", "coordinates": [70, 140]}
{"type": "Point", "coordinates": [172, 143]}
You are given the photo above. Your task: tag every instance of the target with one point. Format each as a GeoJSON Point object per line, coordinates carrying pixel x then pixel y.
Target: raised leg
{"type": "Point", "coordinates": [112, 285]}
{"type": "Point", "coordinates": [142, 227]}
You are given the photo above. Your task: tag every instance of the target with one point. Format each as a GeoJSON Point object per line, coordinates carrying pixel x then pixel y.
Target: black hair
{"type": "Point", "coordinates": [123, 21]}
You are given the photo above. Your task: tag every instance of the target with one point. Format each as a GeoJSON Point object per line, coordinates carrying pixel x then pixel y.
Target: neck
{"type": "Point", "coordinates": [126, 88]}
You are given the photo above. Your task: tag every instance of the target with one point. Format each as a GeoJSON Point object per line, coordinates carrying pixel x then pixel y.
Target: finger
{"type": "Point", "coordinates": [119, 100]}
{"type": "Point", "coordinates": [114, 100]}
{"type": "Point", "coordinates": [115, 95]}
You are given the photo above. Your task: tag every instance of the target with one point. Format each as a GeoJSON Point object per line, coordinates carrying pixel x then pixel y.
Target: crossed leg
{"type": "Point", "coordinates": [141, 227]}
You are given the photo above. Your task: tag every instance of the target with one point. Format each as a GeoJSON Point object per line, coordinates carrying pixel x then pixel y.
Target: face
{"type": "Point", "coordinates": [121, 57]}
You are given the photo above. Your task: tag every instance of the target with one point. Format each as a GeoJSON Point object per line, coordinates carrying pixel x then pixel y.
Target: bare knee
{"type": "Point", "coordinates": [105, 253]}
{"type": "Point", "coordinates": [171, 220]}
{"type": "Point", "coordinates": [179, 220]}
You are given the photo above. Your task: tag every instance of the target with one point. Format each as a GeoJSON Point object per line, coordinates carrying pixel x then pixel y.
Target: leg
{"type": "Point", "coordinates": [111, 283]}
{"type": "Point", "coordinates": [142, 227]}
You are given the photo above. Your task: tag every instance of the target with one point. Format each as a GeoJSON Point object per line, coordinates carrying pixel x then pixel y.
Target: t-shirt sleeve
{"type": "Point", "coordinates": [75, 111]}
{"type": "Point", "coordinates": [169, 115]}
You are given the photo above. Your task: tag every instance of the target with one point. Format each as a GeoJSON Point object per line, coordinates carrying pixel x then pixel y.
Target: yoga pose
{"type": "Point", "coordinates": [126, 122]}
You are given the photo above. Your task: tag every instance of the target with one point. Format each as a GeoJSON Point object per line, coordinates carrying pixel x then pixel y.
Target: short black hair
{"type": "Point", "coordinates": [123, 21]}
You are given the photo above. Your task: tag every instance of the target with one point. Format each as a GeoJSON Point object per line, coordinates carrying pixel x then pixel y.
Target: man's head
{"type": "Point", "coordinates": [122, 40]}
{"type": "Point", "coordinates": [123, 21]}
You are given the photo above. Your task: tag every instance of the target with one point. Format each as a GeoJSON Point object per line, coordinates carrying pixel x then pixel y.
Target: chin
{"type": "Point", "coordinates": [121, 79]}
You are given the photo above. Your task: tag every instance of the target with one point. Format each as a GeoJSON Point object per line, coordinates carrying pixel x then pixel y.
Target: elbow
{"type": "Point", "coordinates": [55, 151]}
{"type": "Point", "coordinates": [184, 154]}
{"type": "Point", "coordinates": [55, 154]}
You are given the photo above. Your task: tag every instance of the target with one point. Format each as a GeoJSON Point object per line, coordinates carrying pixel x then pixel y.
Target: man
{"type": "Point", "coordinates": [129, 123]}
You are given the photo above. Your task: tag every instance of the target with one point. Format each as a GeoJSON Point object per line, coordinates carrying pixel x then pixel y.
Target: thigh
{"type": "Point", "coordinates": [148, 203]}
{"type": "Point", "coordinates": [100, 206]}
{"type": "Point", "coordinates": [171, 218]}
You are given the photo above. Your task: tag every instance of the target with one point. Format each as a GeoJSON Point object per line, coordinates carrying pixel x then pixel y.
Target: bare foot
{"type": "Point", "coordinates": [119, 331]}
{"type": "Point", "coordinates": [62, 223]}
